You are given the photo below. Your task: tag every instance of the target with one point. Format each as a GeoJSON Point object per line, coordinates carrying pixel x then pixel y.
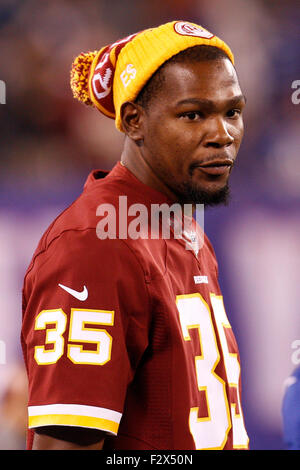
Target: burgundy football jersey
{"type": "Point", "coordinates": [129, 335]}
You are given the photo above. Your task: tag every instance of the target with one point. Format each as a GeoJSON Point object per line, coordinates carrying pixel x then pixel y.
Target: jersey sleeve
{"type": "Point", "coordinates": [85, 328]}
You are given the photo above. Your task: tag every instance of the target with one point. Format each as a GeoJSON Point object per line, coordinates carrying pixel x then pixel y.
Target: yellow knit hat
{"type": "Point", "coordinates": [117, 73]}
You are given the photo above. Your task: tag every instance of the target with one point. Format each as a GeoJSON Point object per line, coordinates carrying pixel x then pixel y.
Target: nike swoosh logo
{"type": "Point", "coordinates": [83, 295]}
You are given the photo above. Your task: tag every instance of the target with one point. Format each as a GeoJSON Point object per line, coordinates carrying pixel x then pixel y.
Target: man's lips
{"type": "Point", "coordinates": [213, 163]}
{"type": "Point", "coordinates": [216, 167]}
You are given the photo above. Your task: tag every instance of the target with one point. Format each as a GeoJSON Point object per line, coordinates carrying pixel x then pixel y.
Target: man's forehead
{"type": "Point", "coordinates": [209, 76]}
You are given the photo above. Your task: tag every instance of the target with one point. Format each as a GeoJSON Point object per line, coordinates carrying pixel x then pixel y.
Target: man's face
{"type": "Point", "coordinates": [193, 130]}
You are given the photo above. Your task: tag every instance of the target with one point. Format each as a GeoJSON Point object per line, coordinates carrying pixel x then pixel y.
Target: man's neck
{"type": "Point", "coordinates": [132, 158]}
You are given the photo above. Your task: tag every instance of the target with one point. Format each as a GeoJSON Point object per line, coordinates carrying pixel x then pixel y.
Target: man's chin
{"type": "Point", "coordinates": [195, 195]}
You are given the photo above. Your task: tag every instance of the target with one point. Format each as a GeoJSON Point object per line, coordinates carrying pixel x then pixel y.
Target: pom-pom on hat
{"type": "Point", "coordinates": [117, 73]}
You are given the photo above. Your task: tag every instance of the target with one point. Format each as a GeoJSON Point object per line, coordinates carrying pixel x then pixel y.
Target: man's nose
{"type": "Point", "coordinates": [217, 134]}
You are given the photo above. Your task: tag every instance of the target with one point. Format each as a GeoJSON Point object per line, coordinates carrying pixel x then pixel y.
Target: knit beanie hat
{"type": "Point", "coordinates": [117, 72]}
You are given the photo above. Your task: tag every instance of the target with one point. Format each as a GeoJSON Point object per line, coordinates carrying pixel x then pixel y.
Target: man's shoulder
{"type": "Point", "coordinates": [81, 214]}
{"type": "Point", "coordinates": [78, 222]}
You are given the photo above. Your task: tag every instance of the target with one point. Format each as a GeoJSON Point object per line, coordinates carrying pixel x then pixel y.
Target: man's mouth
{"type": "Point", "coordinates": [216, 167]}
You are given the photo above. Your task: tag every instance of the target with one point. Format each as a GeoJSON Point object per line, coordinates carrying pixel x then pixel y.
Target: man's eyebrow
{"type": "Point", "coordinates": [210, 104]}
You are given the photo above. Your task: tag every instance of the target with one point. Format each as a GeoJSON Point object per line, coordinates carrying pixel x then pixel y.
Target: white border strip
{"type": "Point", "coordinates": [75, 410]}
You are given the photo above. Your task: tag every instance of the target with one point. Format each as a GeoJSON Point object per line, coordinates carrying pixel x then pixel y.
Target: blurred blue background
{"type": "Point", "coordinates": [49, 143]}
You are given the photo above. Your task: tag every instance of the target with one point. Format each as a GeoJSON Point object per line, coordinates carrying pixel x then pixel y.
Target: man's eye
{"type": "Point", "coordinates": [191, 115]}
{"type": "Point", "coordinates": [233, 113]}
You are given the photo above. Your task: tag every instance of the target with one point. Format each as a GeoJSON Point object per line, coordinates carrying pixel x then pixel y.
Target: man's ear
{"type": "Point", "coordinates": [132, 116]}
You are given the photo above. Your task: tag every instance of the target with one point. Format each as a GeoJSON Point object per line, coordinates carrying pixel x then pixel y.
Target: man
{"type": "Point", "coordinates": [126, 339]}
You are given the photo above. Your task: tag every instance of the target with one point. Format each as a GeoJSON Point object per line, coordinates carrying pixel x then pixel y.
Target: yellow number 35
{"type": "Point", "coordinates": [79, 332]}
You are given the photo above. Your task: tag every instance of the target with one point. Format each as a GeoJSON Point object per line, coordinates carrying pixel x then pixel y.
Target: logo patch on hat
{"type": "Point", "coordinates": [189, 29]}
{"type": "Point", "coordinates": [103, 75]}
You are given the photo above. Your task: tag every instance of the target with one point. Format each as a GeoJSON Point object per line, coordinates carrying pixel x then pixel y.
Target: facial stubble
{"type": "Point", "coordinates": [191, 193]}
